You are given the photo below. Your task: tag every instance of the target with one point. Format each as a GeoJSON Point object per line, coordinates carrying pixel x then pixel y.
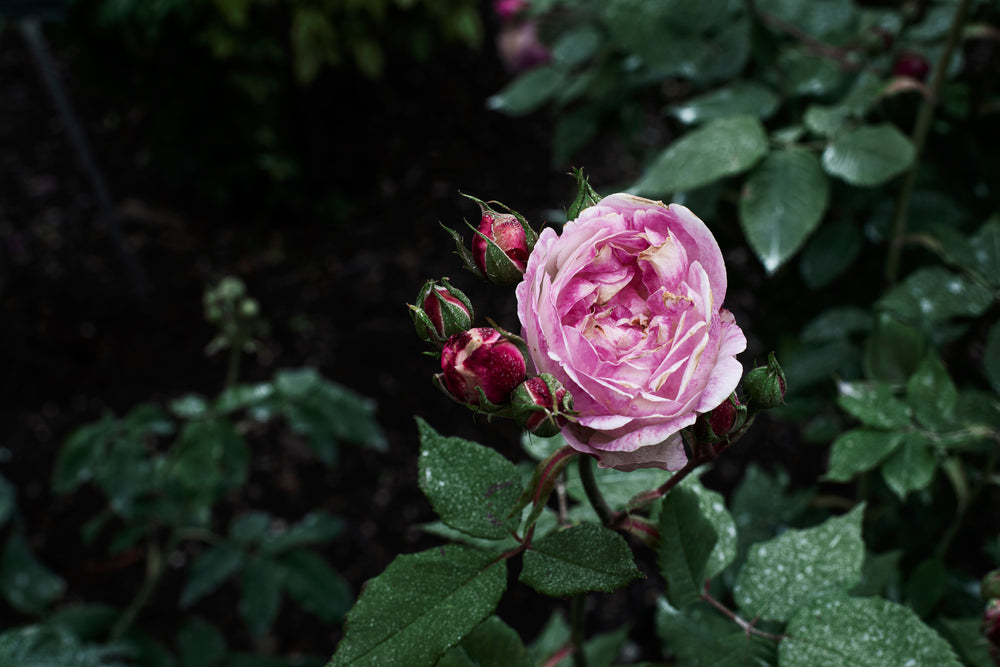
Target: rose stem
{"type": "Point", "coordinates": [746, 626]}
{"type": "Point", "coordinates": [586, 467]}
{"type": "Point", "coordinates": [920, 130]}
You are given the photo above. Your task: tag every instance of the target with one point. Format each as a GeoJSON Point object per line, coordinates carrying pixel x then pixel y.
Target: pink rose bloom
{"type": "Point", "coordinates": [624, 308]}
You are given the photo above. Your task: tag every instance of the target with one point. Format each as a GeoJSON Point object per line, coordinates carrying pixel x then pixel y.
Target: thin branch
{"type": "Point", "coordinates": [745, 625]}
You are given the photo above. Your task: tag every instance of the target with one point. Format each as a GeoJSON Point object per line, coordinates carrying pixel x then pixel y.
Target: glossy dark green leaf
{"type": "Point", "coordinates": [932, 394]}
{"type": "Point", "coordinates": [25, 583]}
{"type": "Point", "coordinates": [805, 73]}
{"type": "Point", "coordinates": [987, 251]}
{"type": "Point", "coordinates": [819, 18]}
{"type": "Point", "coordinates": [799, 566]}
{"type": "Point", "coordinates": [529, 91]}
{"type": "Point", "coordinates": [190, 406]}
{"type": "Point", "coordinates": [713, 508]}
{"type": "Point", "coordinates": [208, 459]}
{"type": "Point", "coordinates": [260, 594]}
{"type": "Point", "coordinates": [738, 98]}
{"type": "Point", "coordinates": [582, 558]}
{"type": "Point", "coordinates": [699, 635]}
{"type": "Point", "coordinates": [837, 323]}
{"type": "Point", "coordinates": [83, 450]}
{"type": "Point", "coordinates": [37, 645]}
{"type": "Point", "coordinates": [933, 294]}
{"type": "Point", "coordinates": [782, 203]}
{"type": "Point", "coordinates": [763, 504]}
{"type": "Point", "coordinates": [874, 404]}
{"type": "Point", "coordinates": [249, 528]}
{"type": "Point", "coordinates": [212, 568]}
{"type": "Point", "coordinates": [894, 351]}
{"type": "Point", "coordinates": [859, 450]}
{"type": "Point", "coordinates": [687, 539]}
{"type": "Point", "coordinates": [471, 487]}
{"type": "Point", "coordinates": [830, 252]}
{"type": "Point", "coordinates": [879, 575]}
{"type": "Point", "coordinates": [863, 632]}
{"type": "Point", "coordinates": [869, 155]}
{"type": "Point", "coordinates": [311, 582]}
{"type": "Point", "coordinates": [492, 644]}
{"type": "Point", "coordinates": [911, 467]}
{"type": "Point", "coordinates": [577, 45]}
{"type": "Point", "coordinates": [719, 148]}
{"type": "Point", "coordinates": [420, 606]}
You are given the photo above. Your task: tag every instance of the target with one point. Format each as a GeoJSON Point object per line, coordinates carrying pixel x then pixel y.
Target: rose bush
{"type": "Point", "coordinates": [624, 308]}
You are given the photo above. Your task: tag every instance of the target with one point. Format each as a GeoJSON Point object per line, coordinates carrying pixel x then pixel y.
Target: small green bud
{"type": "Point", "coordinates": [442, 311]}
{"type": "Point", "coordinates": [764, 386]}
{"type": "Point", "coordinates": [541, 405]}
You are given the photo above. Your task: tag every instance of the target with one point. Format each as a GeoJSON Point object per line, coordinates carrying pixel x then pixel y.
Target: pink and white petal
{"type": "Point", "coordinates": [667, 455]}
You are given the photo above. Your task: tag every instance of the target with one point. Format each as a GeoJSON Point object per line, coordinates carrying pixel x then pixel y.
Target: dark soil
{"type": "Point", "coordinates": [332, 261]}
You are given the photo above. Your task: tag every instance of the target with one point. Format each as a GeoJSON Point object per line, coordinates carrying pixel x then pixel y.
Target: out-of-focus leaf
{"type": "Point", "coordinates": [311, 582]}
{"type": "Point", "coordinates": [210, 570]}
{"type": "Point", "coordinates": [933, 294]}
{"type": "Point", "coordinates": [25, 582]}
{"type": "Point", "coordinates": [738, 98]}
{"type": "Point", "coordinates": [911, 467]}
{"type": "Point", "coordinates": [529, 91]}
{"type": "Point", "coordinates": [200, 644]}
{"type": "Point", "coordinates": [260, 598]}
{"type": "Point", "coordinates": [858, 450]}
{"type": "Point", "coordinates": [830, 252]}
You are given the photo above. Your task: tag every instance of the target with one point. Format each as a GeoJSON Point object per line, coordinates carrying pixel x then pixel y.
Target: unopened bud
{"type": "Point", "coordinates": [989, 587]}
{"type": "Point", "coordinates": [991, 625]}
{"type": "Point", "coordinates": [501, 247]}
{"type": "Point", "coordinates": [481, 365]}
{"type": "Point", "coordinates": [764, 386]}
{"type": "Point", "coordinates": [912, 65]}
{"type": "Point", "coordinates": [724, 420]}
{"type": "Point", "coordinates": [442, 311]}
{"type": "Point", "coordinates": [542, 405]}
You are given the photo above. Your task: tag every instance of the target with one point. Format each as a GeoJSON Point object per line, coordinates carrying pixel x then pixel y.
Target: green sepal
{"type": "Point", "coordinates": [500, 268]}
{"type": "Point", "coordinates": [467, 259]}
{"type": "Point", "coordinates": [586, 196]}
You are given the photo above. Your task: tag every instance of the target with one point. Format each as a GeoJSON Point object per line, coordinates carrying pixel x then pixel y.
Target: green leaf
{"type": "Point", "coordinates": [582, 558]}
{"type": "Point", "coordinates": [37, 645]}
{"type": "Point", "coordinates": [8, 500]}
{"type": "Point", "coordinates": [249, 528]}
{"type": "Point", "coordinates": [987, 251]}
{"type": "Point", "coordinates": [87, 622]}
{"type": "Point", "coordinates": [932, 394]}
{"type": "Point", "coordinates": [763, 504]}
{"type": "Point", "coordinates": [243, 396]}
{"type": "Point", "coordinates": [818, 18]}
{"type": "Point", "coordinates": [799, 566]}
{"type": "Point", "coordinates": [738, 98]}
{"type": "Point", "coordinates": [420, 606]}
{"type": "Point", "coordinates": [550, 639]}
{"type": "Point", "coordinates": [873, 404]}
{"type": "Point", "coordinates": [687, 539]}
{"type": "Point", "coordinates": [25, 582]}
{"type": "Point", "coordinates": [82, 452]}
{"type": "Point", "coordinates": [471, 487]}
{"type": "Point", "coordinates": [862, 632]}
{"type": "Point", "coordinates": [200, 644]}
{"type": "Point", "coordinates": [934, 294]}
{"type": "Point", "coordinates": [966, 635]}
{"type": "Point", "coordinates": [869, 155]}
{"type": "Point", "coordinates": [803, 73]}
{"type": "Point", "coordinates": [926, 585]}
{"type": "Point", "coordinates": [837, 323]}
{"type": "Point", "coordinates": [880, 575]}
{"type": "Point", "coordinates": [616, 486]}
{"type": "Point", "coordinates": [859, 450]}
{"type": "Point", "coordinates": [720, 148]}
{"type": "Point", "coordinates": [698, 635]}
{"type": "Point", "coordinates": [190, 406]}
{"type": "Point", "coordinates": [316, 527]}
{"type": "Point", "coordinates": [577, 45]}
{"type": "Point", "coordinates": [911, 467]}
{"type": "Point", "coordinates": [528, 92]}
{"type": "Point", "coordinates": [782, 203]}
{"type": "Point", "coordinates": [210, 570]}
{"type": "Point", "coordinates": [713, 508]}
{"type": "Point", "coordinates": [311, 582]}
{"type": "Point", "coordinates": [894, 351]}
{"type": "Point", "coordinates": [208, 459]}
{"type": "Point", "coordinates": [991, 357]}
{"type": "Point", "coordinates": [829, 253]}
{"type": "Point", "coordinates": [492, 644]}
{"type": "Point", "coordinates": [260, 598]}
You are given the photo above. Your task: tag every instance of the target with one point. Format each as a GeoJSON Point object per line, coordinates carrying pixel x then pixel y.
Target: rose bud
{"type": "Point", "coordinates": [722, 421]}
{"type": "Point", "coordinates": [443, 311]}
{"type": "Point", "coordinates": [500, 248]}
{"type": "Point", "coordinates": [481, 367]}
{"type": "Point", "coordinates": [991, 623]}
{"type": "Point", "coordinates": [764, 386]}
{"type": "Point", "coordinates": [912, 65]}
{"type": "Point", "coordinates": [500, 245]}
{"type": "Point", "coordinates": [989, 587]}
{"type": "Point", "coordinates": [536, 410]}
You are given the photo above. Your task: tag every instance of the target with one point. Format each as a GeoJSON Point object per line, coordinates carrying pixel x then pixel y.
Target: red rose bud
{"type": "Point", "coordinates": [500, 248]}
{"type": "Point", "coordinates": [536, 410]}
{"type": "Point", "coordinates": [991, 626]}
{"type": "Point", "coordinates": [443, 311]}
{"type": "Point", "coordinates": [727, 418]}
{"type": "Point", "coordinates": [481, 365]}
{"type": "Point", "coordinates": [912, 65]}
{"type": "Point", "coordinates": [764, 386]}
